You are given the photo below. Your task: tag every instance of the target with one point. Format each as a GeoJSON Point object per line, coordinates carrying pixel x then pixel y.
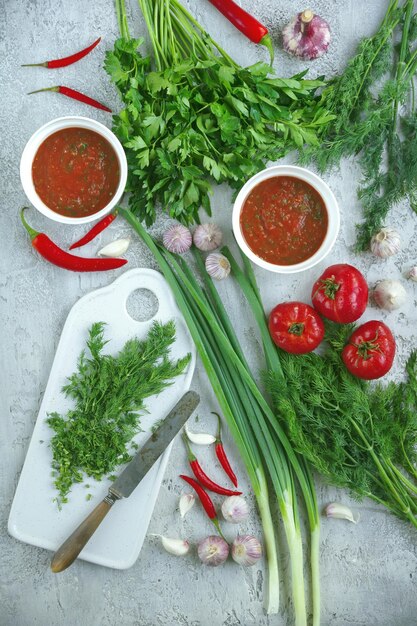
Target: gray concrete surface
{"type": "Point", "coordinates": [368, 571]}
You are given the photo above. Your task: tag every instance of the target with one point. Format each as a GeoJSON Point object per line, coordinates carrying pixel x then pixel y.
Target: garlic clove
{"type": "Point", "coordinates": [386, 243]}
{"type": "Point", "coordinates": [201, 439]}
{"type": "Point", "coordinates": [217, 266]}
{"type": "Point", "coordinates": [389, 294]}
{"type": "Point", "coordinates": [115, 248]}
{"type": "Point", "coordinates": [207, 237]}
{"type": "Point", "coordinates": [341, 511]}
{"type": "Point", "coordinates": [235, 509]}
{"type": "Point", "coordinates": [187, 501]}
{"type": "Point", "coordinates": [246, 550]}
{"type": "Point", "coordinates": [177, 547]}
{"type": "Point", "coordinates": [306, 36]}
{"type": "Point", "coordinates": [412, 274]}
{"type": "Point", "coordinates": [177, 239]}
{"type": "Point", "coordinates": [212, 550]}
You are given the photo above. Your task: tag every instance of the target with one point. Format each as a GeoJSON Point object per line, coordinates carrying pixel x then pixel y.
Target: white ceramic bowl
{"type": "Point", "coordinates": [31, 149]}
{"type": "Point", "coordinates": [329, 200]}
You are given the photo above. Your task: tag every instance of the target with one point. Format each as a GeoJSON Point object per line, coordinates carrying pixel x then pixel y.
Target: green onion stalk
{"type": "Point", "coordinates": [262, 443]}
{"type": "Point", "coordinates": [248, 284]}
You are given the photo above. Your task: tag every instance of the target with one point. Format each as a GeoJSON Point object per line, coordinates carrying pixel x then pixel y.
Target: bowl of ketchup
{"type": "Point", "coordinates": [286, 219]}
{"type": "Point", "coordinates": [73, 170]}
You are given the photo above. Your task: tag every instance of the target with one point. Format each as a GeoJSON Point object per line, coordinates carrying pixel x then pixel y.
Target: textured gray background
{"type": "Point", "coordinates": [368, 571]}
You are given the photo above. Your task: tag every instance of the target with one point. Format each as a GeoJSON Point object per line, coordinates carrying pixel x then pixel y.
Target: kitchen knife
{"type": "Point", "coordinates": [128, 480]}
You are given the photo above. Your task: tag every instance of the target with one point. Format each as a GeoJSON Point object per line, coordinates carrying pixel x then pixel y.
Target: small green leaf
{"type": "Point", "coordinates": [137, 143]}
{"type": "Point", "coordinates": [211, 165]}
{"type": "Point", "coordinates": [226, 75]}
{"type": "Point", "coordinates": [157, 81]}
{"type": "Point", "coordinates": [174, 144]}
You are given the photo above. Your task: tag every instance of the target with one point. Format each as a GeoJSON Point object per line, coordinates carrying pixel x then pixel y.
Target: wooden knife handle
{"type": "Point", "coordinates": [71, 548]}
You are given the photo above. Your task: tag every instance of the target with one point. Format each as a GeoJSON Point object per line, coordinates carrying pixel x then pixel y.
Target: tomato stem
{"type": "Point", "coordinates": [297, 328]}
{"type": "Point", "coordinates": [330, 287]}
{"type": "Point", "coordinates": [366, 347]}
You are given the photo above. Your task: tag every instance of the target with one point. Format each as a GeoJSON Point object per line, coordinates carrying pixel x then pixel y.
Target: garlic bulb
{"type": "Point", "coordinates": [213, 550]}
{"type": "Point", "coordinates": [201, 439]}
{"type": "Point", "coordinates": [386, 243]}
{"type": "Point", "coordinates": [207, 237]}
{"type": "Point", "coordinates": [177, 239]}
{"type": "Point", "coordinates": [246, 550]}
{"type": "Point", "coordinates": [306, 36]}
{"type": "Point", "coordinates": [217, 266]}
{"type": "Point", "coordinates": [187, 501]}
{"type": "Point", "coordinates": [115, 248]}
{"type": "Point", "coordinates": [177, 547]}
{"type": "Point", "coordinates": [341, 511]}
{"type": "Point", "coordinates": [389, 294]}
{"type": "Point", "coordinates": [412, 274]}
{"type": "Point", "coordinates": [235, 509]}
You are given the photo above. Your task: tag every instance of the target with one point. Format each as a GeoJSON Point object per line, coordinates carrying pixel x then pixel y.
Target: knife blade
{"type": "Point", "coordinates": [128, 480]}
{"type": "Point", "coordinates": [155, 446]}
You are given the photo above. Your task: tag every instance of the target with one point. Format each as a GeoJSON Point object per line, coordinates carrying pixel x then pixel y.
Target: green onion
{"type": "Point", "coordinates": [264, 446]}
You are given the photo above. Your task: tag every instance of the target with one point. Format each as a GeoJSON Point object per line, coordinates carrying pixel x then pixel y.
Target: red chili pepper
{"type": "Point", "coordinates": [246, 23]}
{"type": "Point", "coordinates": [205, 500]}
{"type": "Point", "coordinates": [221, 454]}
{"type": "Point", "coordinates": [200, 474]}
{"type": "Point", "coordinates": [93, 232]}
{"type": "Point", "coordinates": [65, 60]}
{"type": "Point", "coordinates": [54, 254]}
{"type": "Point", "coordinates": [75, 95]}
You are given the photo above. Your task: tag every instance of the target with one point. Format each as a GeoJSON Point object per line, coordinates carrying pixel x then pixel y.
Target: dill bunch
{"type": "Point", "coordinates": [358, 436]}
{"type": "Point", "coordinates": [365, 102]}
{"type": "Point", "coordinates": [95, 436]}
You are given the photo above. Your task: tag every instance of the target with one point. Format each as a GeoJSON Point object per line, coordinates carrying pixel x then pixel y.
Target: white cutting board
{"type": "Point", "coordinates": [34, 517]}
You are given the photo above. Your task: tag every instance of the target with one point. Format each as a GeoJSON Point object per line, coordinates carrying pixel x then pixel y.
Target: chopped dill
{"type": "Point", "coordinates": [95, 436]}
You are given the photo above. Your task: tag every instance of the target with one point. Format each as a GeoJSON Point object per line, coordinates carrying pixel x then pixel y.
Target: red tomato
{"type": "Point", "coordinates": [370, 351]}
{"type": "Point", "coordinates": [340, 294]}
{"type": "Point", "coordinates": [296, 327]}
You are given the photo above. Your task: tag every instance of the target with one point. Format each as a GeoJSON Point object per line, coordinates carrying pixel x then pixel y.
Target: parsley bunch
{"type": "Point", "coordinates": [358, 436]}
{"type": "Point", "coordinates": [94, 437]}
{"type": "Point", "coordinates": [365, 101]}
{"type": "Point", "coordinates": [192, 113]}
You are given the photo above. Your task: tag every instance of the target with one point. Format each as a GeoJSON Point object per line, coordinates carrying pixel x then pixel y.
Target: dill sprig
{"type": "Point", "coordinates": [359, 436]}
{"type": "Point", "coordinates": [365, 102]}
{"type": "Point", "coordinates": [95, 436]}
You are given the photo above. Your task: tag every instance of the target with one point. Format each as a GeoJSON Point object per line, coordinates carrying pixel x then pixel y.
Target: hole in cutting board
{"type": "Point", "coordinates": [142, 305]}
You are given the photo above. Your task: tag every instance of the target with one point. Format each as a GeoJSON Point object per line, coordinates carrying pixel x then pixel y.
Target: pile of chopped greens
{"type": "Point", "coordinates": [192, 114]}
{"type": "Point", "coordinates": [375, 119]}
{"type": "Point", "coordinates": [95, 436]}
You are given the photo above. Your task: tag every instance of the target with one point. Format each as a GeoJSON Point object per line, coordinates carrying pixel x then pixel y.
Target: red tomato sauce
{"type": "Point", "coordinates": [284, 220]}
{"type": "Point", "coordinates": [75, 172]}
